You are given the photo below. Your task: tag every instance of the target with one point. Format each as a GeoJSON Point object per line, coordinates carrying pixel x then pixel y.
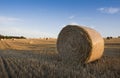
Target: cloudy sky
{"type": "Point", "coordinates": [45, 18]}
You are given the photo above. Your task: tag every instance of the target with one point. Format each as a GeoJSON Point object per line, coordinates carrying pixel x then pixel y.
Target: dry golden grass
{"type": "Point", "coordinates": [27, 44]}
{"type": "Point", "coordinates": [39, 59]}
{"type": "Point", "coordinates": [112, 47]}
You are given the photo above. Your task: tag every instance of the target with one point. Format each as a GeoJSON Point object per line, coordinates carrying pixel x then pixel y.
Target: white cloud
{"type": "Point", "coordinates": [4, 19]}
{"type": "Point", "coordinates": [71, 17]}
{"type": "Point", "coordinates": [17, 31]}
{"type": "Point", "coordinates": [17, 27]}
{"type": "Point", "coordinates": [109, 10]}
{"type": "Point", "coordinates": [73, 23]}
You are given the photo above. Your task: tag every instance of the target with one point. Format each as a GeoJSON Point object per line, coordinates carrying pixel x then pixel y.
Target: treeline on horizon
{"type": "Point", "coordinates": [12, 37]}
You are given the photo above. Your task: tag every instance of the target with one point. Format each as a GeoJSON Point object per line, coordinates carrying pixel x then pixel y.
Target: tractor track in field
{"type": "Point", "coordinates": [5, 68]}
{"type": "Point", "coordinates": [5, 45]}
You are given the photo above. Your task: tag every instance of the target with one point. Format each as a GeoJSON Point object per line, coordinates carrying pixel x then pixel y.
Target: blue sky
{"type": "Point", "coordinates": [45, 18]}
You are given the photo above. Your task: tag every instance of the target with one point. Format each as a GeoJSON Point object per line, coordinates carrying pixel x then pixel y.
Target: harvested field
{"type": "Point", "coordinates": [37, 58]}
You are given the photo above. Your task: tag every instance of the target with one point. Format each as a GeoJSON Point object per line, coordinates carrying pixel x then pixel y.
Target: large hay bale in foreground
{"type": "Point", "coordinates": [78, 44]}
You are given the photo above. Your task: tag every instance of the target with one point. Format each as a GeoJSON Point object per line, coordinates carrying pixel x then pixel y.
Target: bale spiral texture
{"type": "Point", "coordinates": [78, 44]}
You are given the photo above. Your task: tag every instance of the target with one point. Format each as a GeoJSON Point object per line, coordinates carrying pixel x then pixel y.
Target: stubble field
{"type": "Point", "coordinates": [38, 58]}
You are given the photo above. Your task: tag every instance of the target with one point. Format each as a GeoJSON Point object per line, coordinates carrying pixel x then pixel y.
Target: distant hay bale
{"type": "Point", "coordinates": [46, 38]}
{"type": "Point", "coordinates": [2, 39]}
{"type": "Point", "coordinates": [78, 44]}
{"type": "Point", "coordinates": [13, 39]}
{"type": "Point", "coordinates": [31, 42]}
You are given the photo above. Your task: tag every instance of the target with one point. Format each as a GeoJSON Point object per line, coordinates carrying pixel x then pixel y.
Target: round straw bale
{"type": "Point", "coordinates": [31, 42]}
{"type": "Point", "coordinates": [78, 44]}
